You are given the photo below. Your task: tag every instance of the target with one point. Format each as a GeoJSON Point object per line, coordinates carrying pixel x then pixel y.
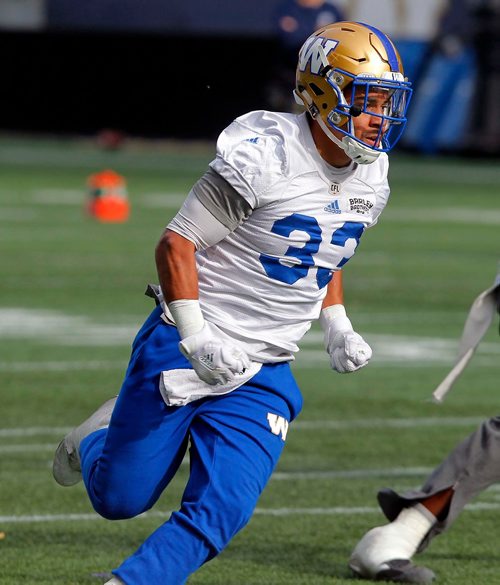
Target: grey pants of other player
{"type": "Point", "coordinates": [470, 468]}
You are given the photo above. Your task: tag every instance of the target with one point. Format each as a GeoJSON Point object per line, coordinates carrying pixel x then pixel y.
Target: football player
{"type": "Point", "coordinates": [250, 260]}
{"type": "Point", "coordinates": [416, 517]}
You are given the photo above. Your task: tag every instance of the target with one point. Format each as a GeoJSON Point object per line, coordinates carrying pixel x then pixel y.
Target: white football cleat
{"type": "Point", "coordinates": [66, 467]}
{"type": "Point", "coordinates": [384, 552]}
{"type": "Point", "coordinates": [114, 581]}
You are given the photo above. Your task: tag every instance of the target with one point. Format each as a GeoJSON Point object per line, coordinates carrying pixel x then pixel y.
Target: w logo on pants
{"type": "Point", "coordinates": [278, 425]}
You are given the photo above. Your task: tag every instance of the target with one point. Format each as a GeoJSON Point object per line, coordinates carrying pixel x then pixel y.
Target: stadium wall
{"type": "Point", "coordinates": [141, 84]}
{"type": "Point", "coordinates": [177, 86]}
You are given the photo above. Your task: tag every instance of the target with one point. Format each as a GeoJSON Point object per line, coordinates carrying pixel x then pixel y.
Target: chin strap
{"type": "Point", "coordinates": [362, 155]}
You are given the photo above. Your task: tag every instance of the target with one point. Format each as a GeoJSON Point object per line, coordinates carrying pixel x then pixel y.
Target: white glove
{"type": "Point", "coordinates": [348, 351]}
{"type": "Point", "coordinates": [214, 359]}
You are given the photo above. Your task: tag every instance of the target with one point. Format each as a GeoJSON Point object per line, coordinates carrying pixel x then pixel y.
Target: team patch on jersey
{"type": "Point", "coordinates": [360, 205]}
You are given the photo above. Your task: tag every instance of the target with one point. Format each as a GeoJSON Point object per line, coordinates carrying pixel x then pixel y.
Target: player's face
{"type": "Point", "coordinates": [367, 124]}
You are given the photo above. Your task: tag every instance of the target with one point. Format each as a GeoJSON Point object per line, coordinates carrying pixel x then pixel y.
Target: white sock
{"type": "Point", "coordinates": [412, 525]}
{"type": "Point", "coordinates": [397, 540]}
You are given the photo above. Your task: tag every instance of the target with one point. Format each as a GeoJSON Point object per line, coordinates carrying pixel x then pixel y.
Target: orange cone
{"type": "Point", "coordinates": [108, 201]}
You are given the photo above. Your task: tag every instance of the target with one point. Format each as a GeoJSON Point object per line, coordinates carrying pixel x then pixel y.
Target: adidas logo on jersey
{"type": "Point", "coordinates": [333, 207]}
{"type": "Point", "coordinates": [252, 140]}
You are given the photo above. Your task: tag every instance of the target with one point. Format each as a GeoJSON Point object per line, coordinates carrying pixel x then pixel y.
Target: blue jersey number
{"type": "Point", "coordinates": [304, 255]}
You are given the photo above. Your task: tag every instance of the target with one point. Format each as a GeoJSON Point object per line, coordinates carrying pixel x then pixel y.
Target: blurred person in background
{"type": "Point", "coordinates": [461, 70]}
{"type": "Point", "coordinates": [484, 134]}
{"type": "Point", "coordinates": [294, 21]}
{"type": "Point", "coordinates": [244, 267]}
{"type": "Point", "coordinates": [476, 24]}
{"type": "Point", "coordinates": [417, 516]}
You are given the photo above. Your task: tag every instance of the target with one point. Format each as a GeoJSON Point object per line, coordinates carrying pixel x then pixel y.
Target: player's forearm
{"type": "Point", "coordinates": [334, 292]}
{"type": "Point", "coordinates": [176, 266]}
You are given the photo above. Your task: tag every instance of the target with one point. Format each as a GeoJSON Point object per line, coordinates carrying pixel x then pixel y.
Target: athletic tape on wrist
{"type": "Point", "coordinates": [187, 316]}
{"type": "Point", "coordinates": [335, 317]}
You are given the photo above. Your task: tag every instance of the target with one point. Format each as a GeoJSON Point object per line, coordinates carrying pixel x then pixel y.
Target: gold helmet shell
{"type": "Point", "coordinates": [345, 53]}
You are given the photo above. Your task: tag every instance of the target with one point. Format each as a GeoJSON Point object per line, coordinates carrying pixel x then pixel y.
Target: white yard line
{"type": "Point", "coordinates": [334, 511]}
{"type": "Point", "coordinates": [37, 448]}
{"type": "Point", "coordinates": [458, 215]}
{"type": "Point", "coordinates": [34, 518]}
{"type": "Point", "coordinates": [33, 431]}
{"type": "Point", "coordinates": [352, 474]}
{"type": "Point", "coordinates": [440, 214]}
{"type": "Point", "coordinates": [311, 359]}
{"type": "Point", "coordinates": [69, 366]}
{"type": "Point", "coordinates": [17, 214]}
{"type": "Point", "coordinates": [394, 423]}
{"type": "Point", "coordinates": [447, 173]}
{"type": "Point", "coordinates": [161, 200]}
{"type": "Point", "coordinates": [306, 359]}
{"type": "Point", "coordinates": [74, 197]}
{"type": "Point", "coordinates": [57, 328]}
{"type": "Point", "coordinates": [61, 328]}
{"type": "Point", "coordinates": [59, 196]}
{"type": "Point", "coordinates": [87, 158]}
{"type": "Point", "coordinates": [314, 425]}
{"type": "Point", "coordinates": [72, 154]}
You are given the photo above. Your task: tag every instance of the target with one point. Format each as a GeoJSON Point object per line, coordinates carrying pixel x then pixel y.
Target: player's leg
{"type": "Point", "coordinates": [127, 464]}
{"type": "Point", "coordinates": [468, 470]}
{"type": "Point", "coordinates": [236, 441]}
{"type": "Point", "coordinates": [66, 467]}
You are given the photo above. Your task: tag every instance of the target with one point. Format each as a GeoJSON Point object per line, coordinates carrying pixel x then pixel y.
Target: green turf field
{"type": "Point", "coordinates": [72, 298]}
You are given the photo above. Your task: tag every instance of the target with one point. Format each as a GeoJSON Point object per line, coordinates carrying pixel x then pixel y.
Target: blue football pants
{"type": "Point", "coordinates": [233, 451]}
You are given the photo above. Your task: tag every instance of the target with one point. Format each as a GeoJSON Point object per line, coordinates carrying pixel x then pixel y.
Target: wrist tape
{"type": "Point", "coordinates": [335, 318]}
{"type": "Point", "coordinates": [187, 316]}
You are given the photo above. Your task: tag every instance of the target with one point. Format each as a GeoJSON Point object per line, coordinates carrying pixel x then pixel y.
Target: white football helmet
{"type": "Point", "coordinates": [339, 66]}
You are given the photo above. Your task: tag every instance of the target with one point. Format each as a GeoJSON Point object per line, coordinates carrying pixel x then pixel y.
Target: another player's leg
{"type": "Point", "coordinates": [236, 441]}
{"type": "Point", "coordinates": [385, 552]}
{"type": "Point", "coordinates": [418, 516]}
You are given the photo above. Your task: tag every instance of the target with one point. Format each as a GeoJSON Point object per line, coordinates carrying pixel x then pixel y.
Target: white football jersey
{"type": "Point", "coordinates": [265, 282]}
